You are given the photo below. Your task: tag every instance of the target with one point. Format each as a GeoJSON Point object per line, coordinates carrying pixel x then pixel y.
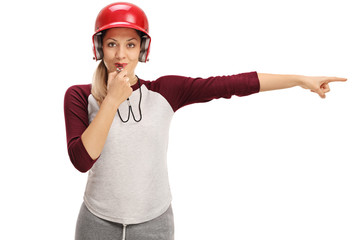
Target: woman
{"type": "Point", "coordinates": [117, 127]}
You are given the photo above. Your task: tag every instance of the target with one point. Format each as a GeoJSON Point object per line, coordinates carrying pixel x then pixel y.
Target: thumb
{"type": "Point", "coordinates": [320, 92]}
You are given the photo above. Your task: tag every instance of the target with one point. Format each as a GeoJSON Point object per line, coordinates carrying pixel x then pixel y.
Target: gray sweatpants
{"type": "Point", "coordinates": [91, 227]}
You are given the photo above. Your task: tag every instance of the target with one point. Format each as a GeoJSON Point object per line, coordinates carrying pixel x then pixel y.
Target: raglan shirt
{"type": "Point", "coordinates": [128, 183]}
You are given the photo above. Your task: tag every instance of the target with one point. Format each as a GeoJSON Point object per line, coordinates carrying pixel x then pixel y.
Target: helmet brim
{"type": "Point", "coordinates": [121, 24]}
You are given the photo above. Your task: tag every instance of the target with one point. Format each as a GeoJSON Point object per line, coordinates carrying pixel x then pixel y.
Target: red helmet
{"type": "Point", "coordinates": [121, 14]}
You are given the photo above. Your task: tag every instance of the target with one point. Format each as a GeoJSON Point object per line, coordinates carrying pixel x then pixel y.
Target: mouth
{"type": "Point", "coordinates": [120, 66]}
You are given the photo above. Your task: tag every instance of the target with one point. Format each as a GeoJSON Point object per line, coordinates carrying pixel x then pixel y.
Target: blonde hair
{"type": "Point", "coordinates": [99, 82]}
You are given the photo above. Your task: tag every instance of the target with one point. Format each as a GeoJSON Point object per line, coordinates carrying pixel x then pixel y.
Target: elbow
{"type": "Point", "coordinates": [81, 168]}
{"type": "Point", "coordinates": [80, 164]}
{"type": "Point", "coordinates": [80, 158]}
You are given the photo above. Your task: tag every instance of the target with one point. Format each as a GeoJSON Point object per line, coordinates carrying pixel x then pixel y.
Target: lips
{"type": "Point", "coordinates": [120, 66]}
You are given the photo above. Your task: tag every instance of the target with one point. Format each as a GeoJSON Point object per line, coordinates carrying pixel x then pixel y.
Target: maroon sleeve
{"type": "Point", "coordinates": [181, 91]}
{"type": "Point", "coordinates": [76, 121]}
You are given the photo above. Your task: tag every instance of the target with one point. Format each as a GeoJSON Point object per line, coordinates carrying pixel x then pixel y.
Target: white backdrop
{"type": "Point", "coordinates": [276, 165]}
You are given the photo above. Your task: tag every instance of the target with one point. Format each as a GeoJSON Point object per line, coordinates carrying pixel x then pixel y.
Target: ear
{"type": "Point", "coordinates": [98, 46]}
{"type": "Point", "coordinates": [145, 42]}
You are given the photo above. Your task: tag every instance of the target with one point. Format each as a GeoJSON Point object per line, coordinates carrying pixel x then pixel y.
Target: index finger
{"type": "Point", "coordinates": [336, 79]}
{"type": "Point", "coordinates": [116, 73]}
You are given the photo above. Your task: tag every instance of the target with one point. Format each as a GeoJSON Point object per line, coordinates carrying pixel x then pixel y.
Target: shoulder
{"type": "Point", "coordinates": [79, 89]}
{"type": "Point", "coordinates": [166, 82]}
{"type": "Point", "coordinates": [171, 87]}
{"type": "Point", "coordinates": [170, 79]}
{"type": "Point", "coordinates": [77, 93]}
{"type": "Point", "coordinates": [167, 85]}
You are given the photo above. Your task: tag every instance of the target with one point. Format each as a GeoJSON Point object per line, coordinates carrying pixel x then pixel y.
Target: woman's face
{"type": "Point", "coordinates": [121, 46]}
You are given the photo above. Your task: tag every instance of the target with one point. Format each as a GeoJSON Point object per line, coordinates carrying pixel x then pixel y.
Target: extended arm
{"type": "Point", "coordinates": [319, 85]}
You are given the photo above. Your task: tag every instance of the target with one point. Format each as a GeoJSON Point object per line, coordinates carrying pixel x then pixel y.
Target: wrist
{"type": "Point", "coordinates": [110, 103]}
{"type": "Point", "coordinates": [300, 80]}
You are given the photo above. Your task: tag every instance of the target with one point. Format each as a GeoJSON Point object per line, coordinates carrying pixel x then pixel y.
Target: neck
{"type": "Point", "coordinates": [133, 80]}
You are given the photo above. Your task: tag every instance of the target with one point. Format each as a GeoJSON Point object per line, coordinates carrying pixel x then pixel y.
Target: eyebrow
{"type": "Point", "coordinates": [116, 40]}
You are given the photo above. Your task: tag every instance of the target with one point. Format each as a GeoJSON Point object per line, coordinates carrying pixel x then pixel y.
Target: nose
{"type": "Point", "coordinates": [120, 52]}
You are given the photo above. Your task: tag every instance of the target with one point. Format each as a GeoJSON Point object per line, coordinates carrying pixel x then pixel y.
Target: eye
{"type": "Point", "coordinates": [131, 45]}
{"type": "Point", "coordinates": [111, 44]}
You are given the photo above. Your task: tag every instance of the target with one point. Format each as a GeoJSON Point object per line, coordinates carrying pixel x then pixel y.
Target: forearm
{"type": "Point", "coordinates": [278, 81]}
{"type": "Point", "coordinates": [95, 135]}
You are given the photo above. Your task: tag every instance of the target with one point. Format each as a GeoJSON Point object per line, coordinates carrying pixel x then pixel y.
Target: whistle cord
{"type": "Point", "coordinates": [130, 107]}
